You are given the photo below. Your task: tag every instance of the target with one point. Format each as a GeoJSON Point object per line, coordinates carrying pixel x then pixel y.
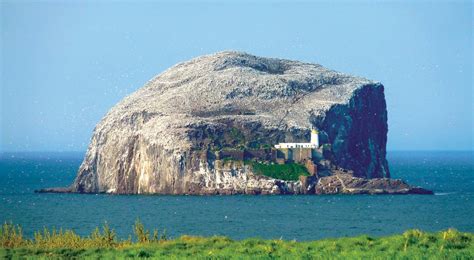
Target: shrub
{"type": "Point", "coordinates": [11, 235]}
{"type": "Point", "coordinates": [453, 239]}
{"type": "Point", "coordinates": [288, 171]}
{"type": "Point", "coordinates": [141, 233]}
{"type": "Point", "coordinates": [412, 237]}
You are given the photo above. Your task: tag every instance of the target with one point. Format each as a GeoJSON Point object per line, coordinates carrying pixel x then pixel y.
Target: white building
{"type": "Point", "coordinates": [313, 144]}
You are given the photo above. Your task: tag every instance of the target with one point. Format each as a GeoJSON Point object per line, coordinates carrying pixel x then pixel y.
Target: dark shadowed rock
{"type": "Point", "coordinates": [55, 190]}
{"type": "Point", "coordinates": [161, 139]}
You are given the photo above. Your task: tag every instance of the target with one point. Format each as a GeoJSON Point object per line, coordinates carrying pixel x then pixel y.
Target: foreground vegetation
{"type": "Point", "coordinates": [412, 244]}
{"type": "Point", "coordinates": [287, 171]}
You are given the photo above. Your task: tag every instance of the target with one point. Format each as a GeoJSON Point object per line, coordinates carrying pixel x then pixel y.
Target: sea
{"type": "Point", "coordinates": [291, 217]}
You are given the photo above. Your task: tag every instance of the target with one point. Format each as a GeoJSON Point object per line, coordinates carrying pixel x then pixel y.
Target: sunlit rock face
{"type": "Point", "coordinates": [161, 139]}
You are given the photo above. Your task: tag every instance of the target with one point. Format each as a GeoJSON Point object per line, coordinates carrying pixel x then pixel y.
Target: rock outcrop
{"type": "Point", "coordinates": [161, 139]}
{"type": "Point", "coordinates": [347, 184]}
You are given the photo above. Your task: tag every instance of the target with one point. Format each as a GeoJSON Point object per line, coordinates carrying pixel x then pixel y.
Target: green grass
{"type": "Point", "coordinates": [288, 171]}
{"type": "Point", "coordinates": [413, 244]}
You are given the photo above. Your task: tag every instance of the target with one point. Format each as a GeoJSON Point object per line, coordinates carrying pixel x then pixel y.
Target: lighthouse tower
{"type": "Point", "coordinates": [314, 137]}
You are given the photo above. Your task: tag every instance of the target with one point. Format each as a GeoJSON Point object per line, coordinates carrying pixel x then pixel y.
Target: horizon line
{"type": "Point", "coordinates": [394, 150]}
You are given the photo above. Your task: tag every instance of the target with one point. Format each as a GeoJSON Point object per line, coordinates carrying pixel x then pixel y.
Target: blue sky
{"type": "Point", "coordinates": [64, 64]}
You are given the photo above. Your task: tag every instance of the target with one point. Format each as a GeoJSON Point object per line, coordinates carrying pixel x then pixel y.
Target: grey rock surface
{"type": "Point", "coordinates": [346, 184]}
{"type": "Point", "coordinates": [160, 139]}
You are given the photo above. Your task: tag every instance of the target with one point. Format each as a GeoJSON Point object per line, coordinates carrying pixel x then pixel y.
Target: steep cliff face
{"type": "Point", "coordinates": [357, 132]}
{"type": "Point", "coordinates": [162, 138]}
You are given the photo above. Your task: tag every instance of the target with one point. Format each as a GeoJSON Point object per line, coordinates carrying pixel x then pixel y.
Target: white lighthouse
{"type": "Point", "coordinates": [314, 137]}
{"type": "Point", "coordinates": [314, 143]}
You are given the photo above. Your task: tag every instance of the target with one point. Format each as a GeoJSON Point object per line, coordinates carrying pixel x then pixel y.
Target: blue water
{"type": "Point", "coordinates": [449, 174]}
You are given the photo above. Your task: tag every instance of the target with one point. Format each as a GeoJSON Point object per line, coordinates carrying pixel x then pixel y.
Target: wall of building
{"type": "Point", "coordinates": [300, 155]}
{"type": "Point", "coordinates": [311, 167]}
{"type": "Point", "coordinates": [239, 155]}
{"type": "Point", "coordinates": [259, 154]}
{"type": "Point", "coordinates": [232, 154]}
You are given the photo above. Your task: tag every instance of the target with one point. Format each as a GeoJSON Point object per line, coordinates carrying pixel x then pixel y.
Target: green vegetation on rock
{"type": "Point", "coordinates": [287, 171]}
{"type": "Point", "coordinates": [413, 244]}
{"type": "Point", "coordinates": [237, 135]}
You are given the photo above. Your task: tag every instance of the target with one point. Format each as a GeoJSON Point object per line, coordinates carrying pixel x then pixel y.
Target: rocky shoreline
{"type": "Point", "coordinates": [339, 183]}
{"type": "Point", "coordinates": [321, 191]}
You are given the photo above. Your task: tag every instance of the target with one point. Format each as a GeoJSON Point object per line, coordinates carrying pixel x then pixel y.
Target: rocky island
{"type": "Point", "coordinates": [234, 123]}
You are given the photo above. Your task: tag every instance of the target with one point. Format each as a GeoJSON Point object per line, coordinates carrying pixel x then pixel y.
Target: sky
{"type": "Point", "coordinates": [64, 64]}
